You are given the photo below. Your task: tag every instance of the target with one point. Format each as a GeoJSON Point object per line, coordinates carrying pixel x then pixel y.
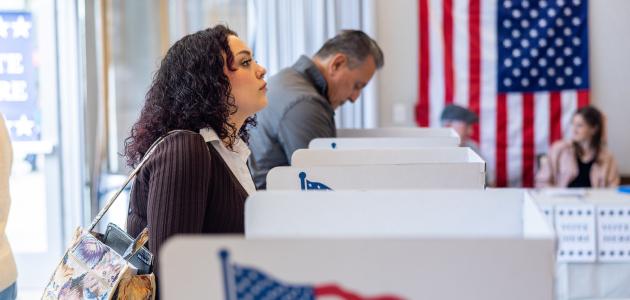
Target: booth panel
{"type": "Point", "coordinates": [329, 157]}
{"type": "Point", "coordinates": [488, 269]}
{"type": "Point", "coordinates": [343, 214]}
{"type": "Point", "coordinates": [397, 132]}
{"type": "Point", "coordinates": [375, 177]}
{"type": "Point", "coordinates": [383, 142]}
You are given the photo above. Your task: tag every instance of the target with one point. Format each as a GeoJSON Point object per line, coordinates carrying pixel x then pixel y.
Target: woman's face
{"type": "Point", "coordinates": [582, 131]}
{"type": "Point", "coordinates": [248, 86]}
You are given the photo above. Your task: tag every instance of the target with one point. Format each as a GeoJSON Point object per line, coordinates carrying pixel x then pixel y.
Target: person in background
{"type": "Point", "coordinates": [8, 270]}
{"type": "Point", "coordinates": [461, 120]}
{"type": "Point", "coordinates": [196, 181]}
{"type": "Point", "coordinates": [303, 99]}
{"type": "Point", "coordinates": [582, 161]}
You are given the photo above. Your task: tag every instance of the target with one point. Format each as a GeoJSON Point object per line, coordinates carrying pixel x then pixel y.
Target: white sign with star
{"type": "Point", "coordinates": [23, 126]}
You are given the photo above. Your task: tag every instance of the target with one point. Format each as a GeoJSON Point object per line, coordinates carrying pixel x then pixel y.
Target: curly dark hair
{"type": "Point", "coordinates": [189, 91]}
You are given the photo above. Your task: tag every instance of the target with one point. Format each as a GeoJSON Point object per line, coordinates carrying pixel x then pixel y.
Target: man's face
{"type": "Point", "coordinates": [345, 82]}
{"type": "Point", "coordinates": [463, 129]}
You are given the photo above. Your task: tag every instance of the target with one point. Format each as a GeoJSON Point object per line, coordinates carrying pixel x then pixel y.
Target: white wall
{"type": "Point", "coordinates": [609, 62]}
{"type": "Point", "coordinates": [397, 35]}
{"type": "Point", "coordinates": [610, 72]}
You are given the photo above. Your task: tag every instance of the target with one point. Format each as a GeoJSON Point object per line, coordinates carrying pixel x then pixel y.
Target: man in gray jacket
{"type": "Point", "coordinates": [303, 99]}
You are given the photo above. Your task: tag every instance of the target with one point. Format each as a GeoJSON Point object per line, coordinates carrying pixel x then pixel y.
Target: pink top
{"type": "Point", "coordinates": [561, 168]}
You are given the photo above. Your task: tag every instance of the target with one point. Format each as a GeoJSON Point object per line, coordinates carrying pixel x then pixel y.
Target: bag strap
{"type": "Point", "coordinates": [133, 174]}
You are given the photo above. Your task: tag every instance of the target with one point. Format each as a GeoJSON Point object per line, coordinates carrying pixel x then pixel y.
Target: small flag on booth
{"type": "Point", "coordinates": [306, 184]}
{"type": "Point", "coordinates": [241, 283]}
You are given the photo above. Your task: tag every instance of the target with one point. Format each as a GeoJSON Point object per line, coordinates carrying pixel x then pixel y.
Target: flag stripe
{"type": "Point", "coordinates": [474, 20]}
{"type": "Point", "coordinates": [335, 290]}
{"type": "Point", "coordinates": [436, 74]}
{"type": "Point", "coordinates": [422, 110]}
{"type": "Point", "coordinates": [501, 139]}
{"type": "Point", "coordinates": [460, 52]}
{"type": "Point", "coordinates": [528, 140]}
{"type": "Point", "coordinates": [515, 138]}
{"type": "Point", "coordinates": [583, 98]}
{"type": "Point", "coordinates": [555, 117]}
{"type": "Point", "coordinates": [569, 106]}
{"type": "Point", "coordinates": [488, 101]}
{"type": "Point", "coordinates": [542, 124]}
{"type": "Point", "coordinates": [447, 21]}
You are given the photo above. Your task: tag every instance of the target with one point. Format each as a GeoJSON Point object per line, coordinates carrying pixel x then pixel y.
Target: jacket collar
{"type": "Point", "coordinates": [307, 67]}
{"type": "Point", "coordinates": [239, 148]}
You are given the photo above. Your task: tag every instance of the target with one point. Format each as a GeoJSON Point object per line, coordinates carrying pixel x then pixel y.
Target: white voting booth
{"type": "Point", "coordinates": [192, 268]}
{"type": "Point", "coordinates": [382, 142]}
{"type": "Point", "coordinates": [497, 214]}
{"type": "Point", "coordinates": [436, 167]}
{"type": "Point", "coordinates": [388, 138]}
{"type": "Point", "coordinates": [593, 229]}
{"type": "Point", "coordinates": [415, 132]}
{"type": "Point", "coordinates": [474, 244]}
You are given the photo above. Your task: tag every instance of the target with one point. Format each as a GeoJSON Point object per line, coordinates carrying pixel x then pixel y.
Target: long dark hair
{"type": "Point", "coordinates": [594, 118]}
{"type": "Point", "coordinates": [189, 91]}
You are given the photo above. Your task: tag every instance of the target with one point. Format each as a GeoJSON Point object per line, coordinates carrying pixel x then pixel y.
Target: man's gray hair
{"type": "Point", "coordinates": [356, 45]}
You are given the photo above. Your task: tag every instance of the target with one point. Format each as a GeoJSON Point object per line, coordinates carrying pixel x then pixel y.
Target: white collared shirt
{"type": "Point", "coordinates": [236, 159]}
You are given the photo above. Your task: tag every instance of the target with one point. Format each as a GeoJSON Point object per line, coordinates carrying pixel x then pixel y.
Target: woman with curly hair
{"type": "Point", "coordinates": [582, 161]}
{"type": "Point", "coordinates": [196, 181]}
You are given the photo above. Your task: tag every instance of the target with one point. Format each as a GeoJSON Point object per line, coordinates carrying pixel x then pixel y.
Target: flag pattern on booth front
{"type": "Point", "coordinates": [243, 283]}
{"type": "Point", "coordinates": [306, 184]}
{"type": "Point", "coordinates": [520, 65]}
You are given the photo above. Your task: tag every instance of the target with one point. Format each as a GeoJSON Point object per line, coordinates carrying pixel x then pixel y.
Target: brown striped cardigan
{"type": "Point", "coordinates": [185, 188]}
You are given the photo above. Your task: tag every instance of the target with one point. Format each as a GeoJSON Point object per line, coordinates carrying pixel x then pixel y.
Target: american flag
{"type": "Point", "coordinates": [248, 283]}
{"type": "Point", "coordinates": [521, 65]}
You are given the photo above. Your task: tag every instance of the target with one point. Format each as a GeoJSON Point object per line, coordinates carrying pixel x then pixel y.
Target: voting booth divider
{"type": "Point", "coordinates": [392, 156]}
{"type": "Point", "coordinates": [436, 167]}
{"type": "Point", "coordinates": [433, 244]}
{"type": "Point", "coordinates": [392, 132]}
{"type": "Point", "coordinates": [388, 138]}
{"type": "Point", "coordinates": [504, 213]}
{"type": "Point", "coordinates": [375, 234]}
{"type": "Point", "coordinates": [383, 142]}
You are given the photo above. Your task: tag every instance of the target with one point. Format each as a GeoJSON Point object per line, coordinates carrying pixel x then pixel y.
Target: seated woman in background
{"type": "Point", "coordinates": [196, 181]}
{"type": "Point", "coordinates": [582, 161]}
